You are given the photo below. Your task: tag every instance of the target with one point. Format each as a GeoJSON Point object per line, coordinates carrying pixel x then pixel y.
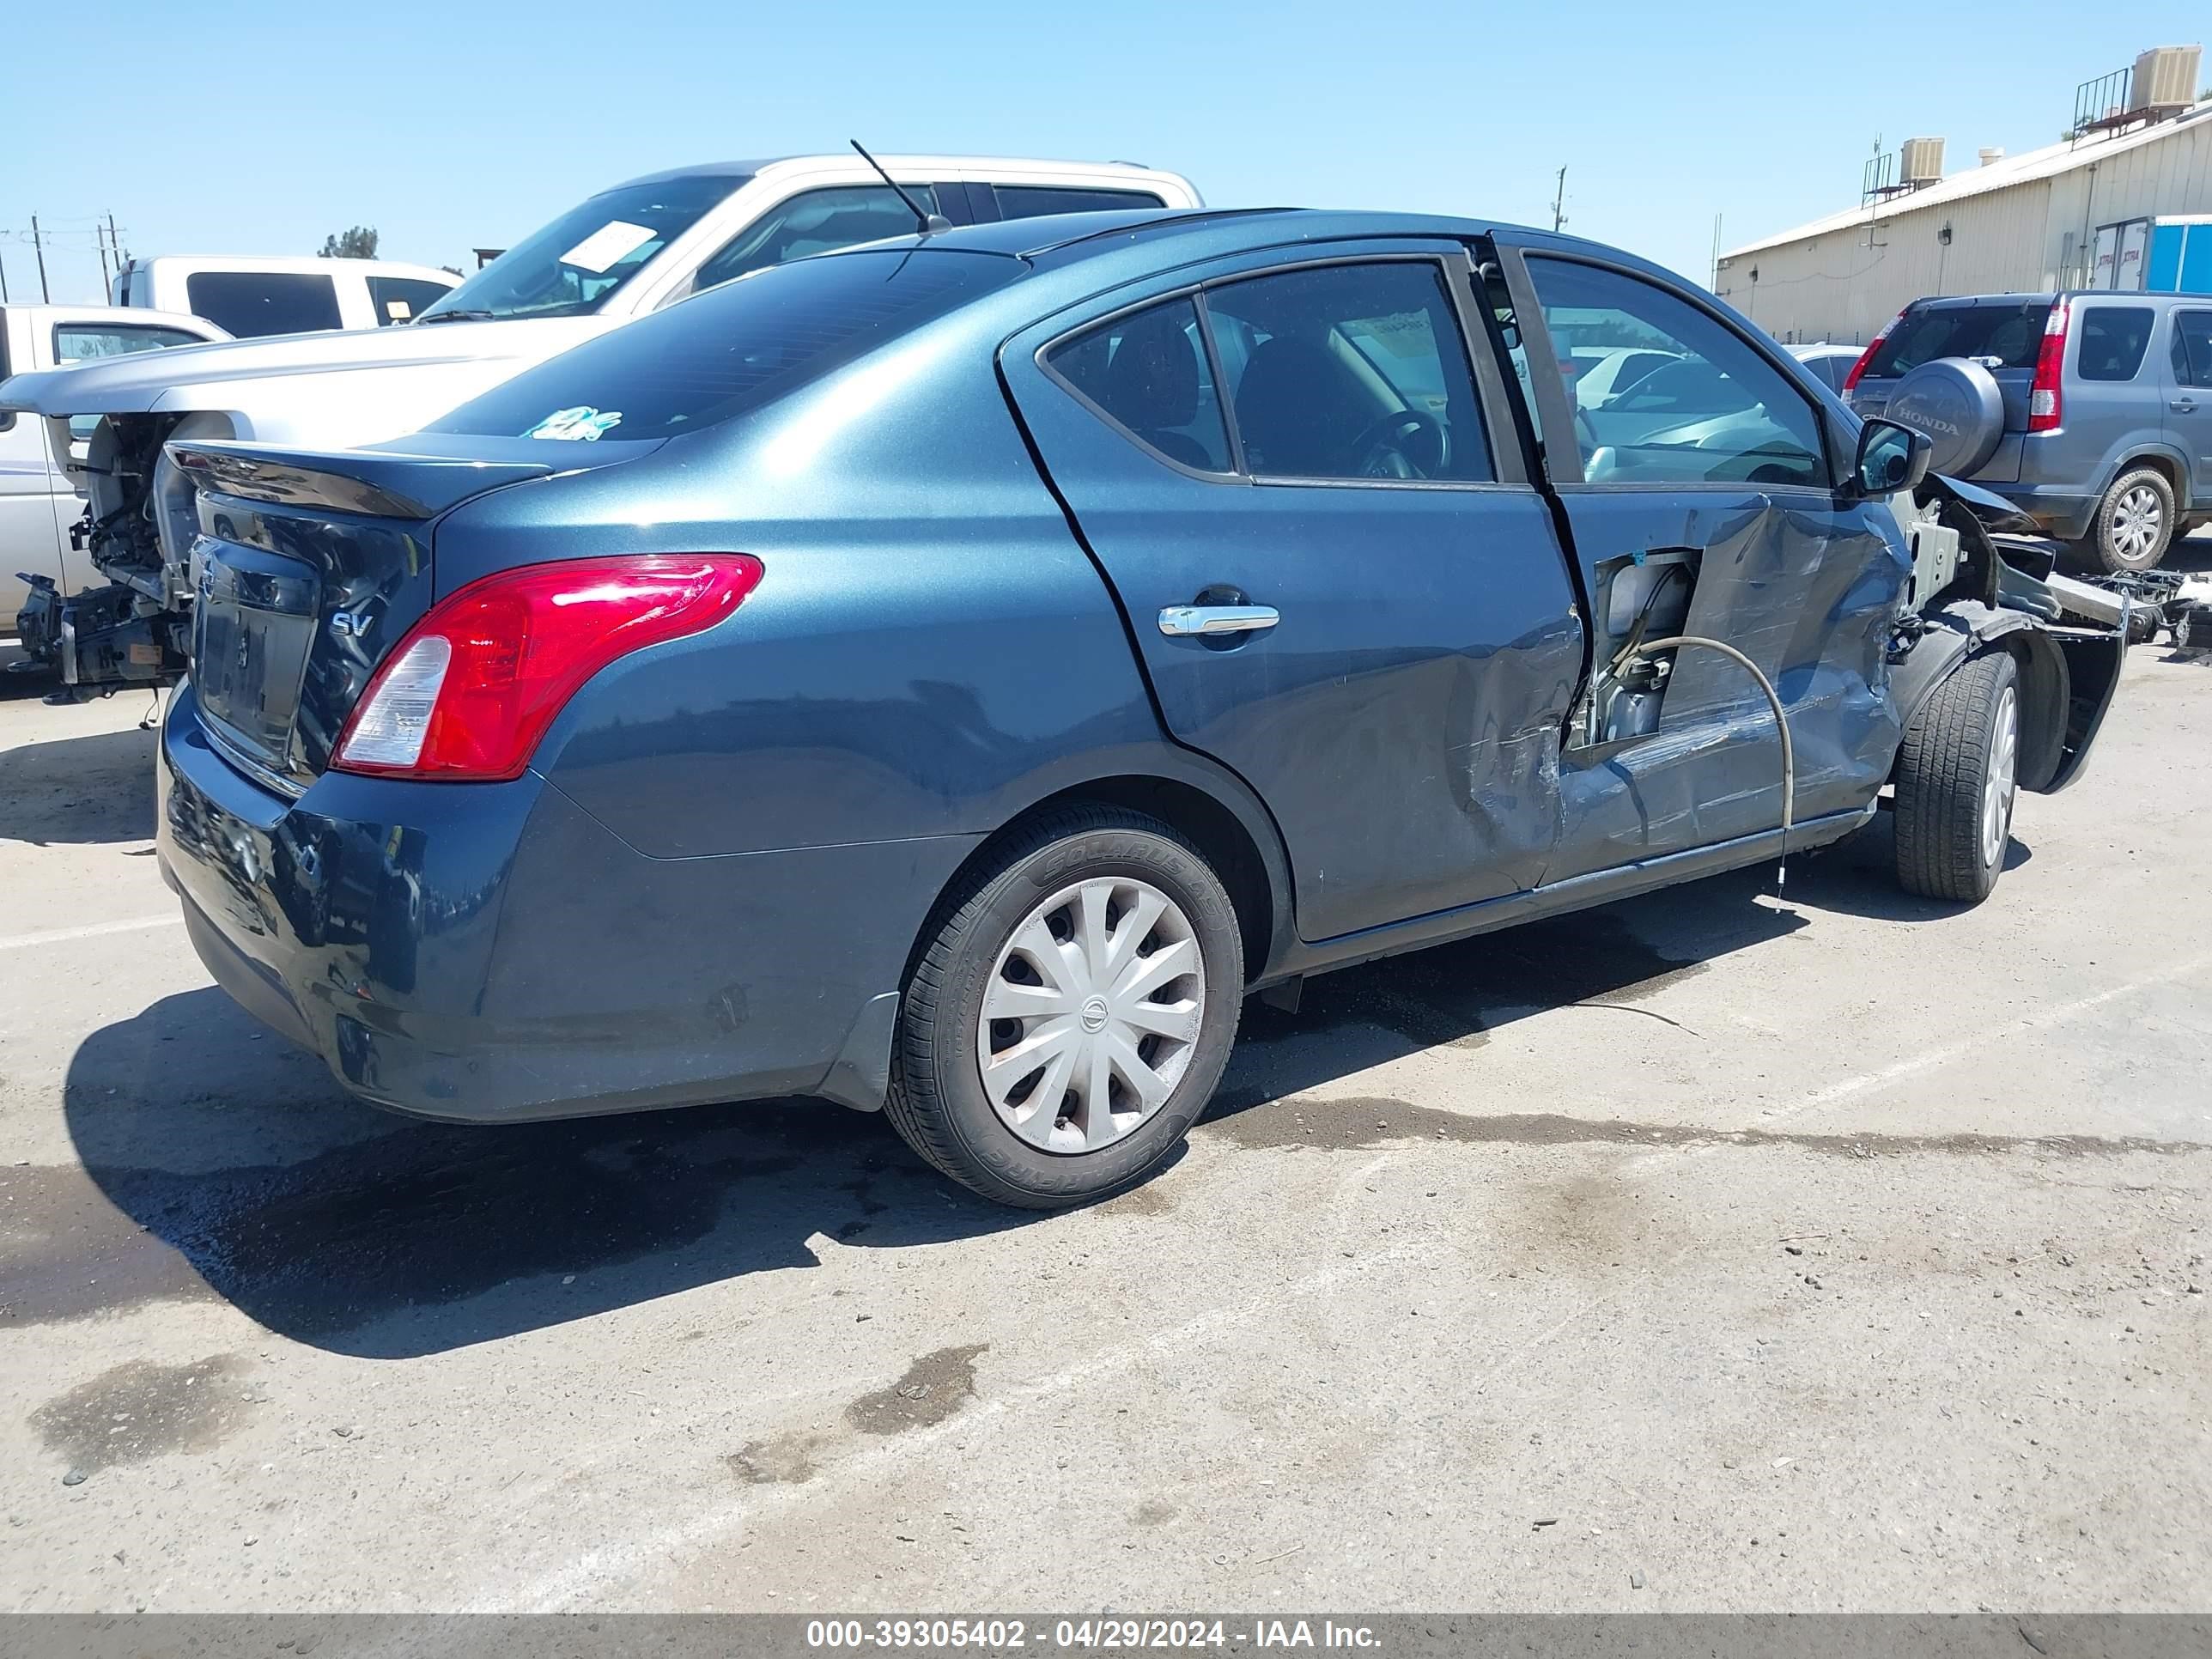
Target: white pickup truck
{"type": "Point", "coordinates": [38, 499]}
{"type": "Point", "coordinates": [615, 256]}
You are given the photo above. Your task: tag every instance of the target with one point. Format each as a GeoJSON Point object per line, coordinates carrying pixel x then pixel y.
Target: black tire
{"type": "Point", "coordinates": [1945, 848]}
{"type": "Point", "coordinates": [938, 1103]}
{"type": "Point", "coordinates": [2108, 546]}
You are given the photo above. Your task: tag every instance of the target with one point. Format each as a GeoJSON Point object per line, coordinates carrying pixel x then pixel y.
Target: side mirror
{"type": "Point", "coordinates": [1891, 457]}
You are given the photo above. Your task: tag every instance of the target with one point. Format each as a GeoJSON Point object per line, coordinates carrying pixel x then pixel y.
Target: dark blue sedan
{"type": "Point", "coordinates": [946, 677]}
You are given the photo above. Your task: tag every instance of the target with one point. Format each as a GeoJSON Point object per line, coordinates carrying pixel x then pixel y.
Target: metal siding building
{"type": "Point", "coordinates": [2019, 224]}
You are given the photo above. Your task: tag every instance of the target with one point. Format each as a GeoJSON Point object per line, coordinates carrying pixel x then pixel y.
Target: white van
{"type": "Point", "coordinates": [250, 297]}
{"type": "Point", "coordinates": [40, 501]}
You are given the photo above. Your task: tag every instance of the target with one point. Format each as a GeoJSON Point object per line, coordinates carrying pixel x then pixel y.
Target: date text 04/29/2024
{"type": "Point", "coordinates": [1104, 1634]}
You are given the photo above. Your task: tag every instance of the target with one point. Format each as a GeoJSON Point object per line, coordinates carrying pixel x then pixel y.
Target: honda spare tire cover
{"type": "Point", "coordinates": [1959, 406]}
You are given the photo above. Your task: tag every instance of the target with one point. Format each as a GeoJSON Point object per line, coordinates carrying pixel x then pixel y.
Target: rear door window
{"type": "Point", "coordinates": [2192, 348]}
{"type": "Point", "coordinates": [814, 222]}
{"type": "Point", "coordinates": [2011, 334]}
{"type": "Point", "coordinates": [2113, 340]}
{"type": "Point", "coordinates": [1351, 371]}
{"type": "Point", "coordinates": [249, 303]}
{"type": "Point", "coordinates": [1034, 201]}
{"type": "Point", "coordinates": [1146, 374]}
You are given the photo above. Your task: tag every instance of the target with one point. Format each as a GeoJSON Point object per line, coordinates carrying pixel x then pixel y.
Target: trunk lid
{"type": "Point", "coordinates": [308, 569]}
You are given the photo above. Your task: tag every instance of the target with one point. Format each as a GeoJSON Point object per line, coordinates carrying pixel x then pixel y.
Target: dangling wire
{"type": "Point", "coordinates": [1781, 722]}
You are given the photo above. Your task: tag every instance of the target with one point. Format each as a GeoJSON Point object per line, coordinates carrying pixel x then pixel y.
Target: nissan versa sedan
{"type": "Point", "coordinates": [947, 677]}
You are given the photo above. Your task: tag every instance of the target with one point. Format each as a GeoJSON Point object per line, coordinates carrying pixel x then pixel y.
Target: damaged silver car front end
{"type": "Point", "coordinates": [137, 530]}
{"type": "Point", "coordinates": [1983, 578]}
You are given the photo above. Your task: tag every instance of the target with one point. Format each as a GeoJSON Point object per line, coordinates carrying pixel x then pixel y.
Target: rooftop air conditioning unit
{"type": "Point", "coordinates": [1920, 160]}
{"type": "Point", "coordinates": [2164, 79]}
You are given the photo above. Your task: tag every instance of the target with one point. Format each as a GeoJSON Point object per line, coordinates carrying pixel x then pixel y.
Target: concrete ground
{"type": "Point", "coordinates": [1700, 1252]}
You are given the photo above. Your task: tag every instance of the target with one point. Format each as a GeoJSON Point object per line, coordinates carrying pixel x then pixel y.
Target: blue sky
{"type": "Point", "coordinates": [244, 127]}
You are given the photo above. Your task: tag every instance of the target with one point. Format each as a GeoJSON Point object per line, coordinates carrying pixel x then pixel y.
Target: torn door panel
{"type": "Point", "coordinates": [1810, 594]}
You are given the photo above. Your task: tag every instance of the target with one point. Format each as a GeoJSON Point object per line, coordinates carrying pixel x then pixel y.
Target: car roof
{"type": "Point", "coordinates": [290, 264]}
{"type": "Point", "coordinates": [1014, 165]}
{"type": "Point", "coordinates": [1206, 232]}
{"type": "Point", "coordinates": [2137, 294]}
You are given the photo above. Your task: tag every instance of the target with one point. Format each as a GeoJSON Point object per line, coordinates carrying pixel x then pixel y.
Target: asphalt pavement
{"type": "Point", "coordinates": [1705, 1251]}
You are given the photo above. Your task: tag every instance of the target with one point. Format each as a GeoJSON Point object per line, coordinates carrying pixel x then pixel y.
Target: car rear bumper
{"type": "Point", "coordinates": [491, 952]}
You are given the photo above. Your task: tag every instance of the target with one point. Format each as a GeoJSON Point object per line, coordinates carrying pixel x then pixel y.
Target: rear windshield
{"type": "Point", "coordinates": [2011, 332]}
{"type": "Point", "coordinates": [733, 349]}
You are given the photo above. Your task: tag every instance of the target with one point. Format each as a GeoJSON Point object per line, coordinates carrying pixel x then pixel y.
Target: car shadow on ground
{"type": "Point", "coordinates": [214, 1160]}
{"type": "Point", "coordinates": [99, 787]}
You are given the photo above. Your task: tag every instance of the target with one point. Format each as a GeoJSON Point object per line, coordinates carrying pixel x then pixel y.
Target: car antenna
{"type": "Point", "coordinates": [926, 224]}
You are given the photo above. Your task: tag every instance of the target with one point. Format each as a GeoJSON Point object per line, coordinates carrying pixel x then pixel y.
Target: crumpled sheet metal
{"type": "Point", "coordinates": [1486, 824]}
{"type": "Point", "coordinates": [1813, 610]}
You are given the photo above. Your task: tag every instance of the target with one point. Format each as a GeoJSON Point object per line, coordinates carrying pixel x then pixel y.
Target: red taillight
{"type": "Point", "coordinates": [472, 688]}
{"type": "Point", "coordinates": [1866, 356]}
{"type": "Point", "coordinates": [2045, 407]}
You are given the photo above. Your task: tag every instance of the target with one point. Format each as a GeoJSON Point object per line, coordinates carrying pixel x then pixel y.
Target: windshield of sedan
{"type": "Point", "coordinates": [1690, 386]}
{"type": "Point", "coordinates": [570, 266]}
{"type": "Point", "coordinates": [731, 349]}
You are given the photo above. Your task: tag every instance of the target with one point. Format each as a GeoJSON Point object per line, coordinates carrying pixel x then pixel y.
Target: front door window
{"type": "Point", "coordinates": [1713, 410]}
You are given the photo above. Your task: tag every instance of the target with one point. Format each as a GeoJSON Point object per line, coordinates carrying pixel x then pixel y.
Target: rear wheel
{"type": "Point", "coordinates": [1070, 1016]}
{"type": "Point", "coordinates": [1956, 782]}
{"type": "Point", "coordinates": [2135, 523]}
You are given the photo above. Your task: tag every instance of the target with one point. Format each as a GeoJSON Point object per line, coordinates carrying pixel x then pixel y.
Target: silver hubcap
{"type": "Point", "coordinates": [1091, 1014]}
{"type": "Point", "coordinates": [2136, 522]}
{"type": "Point", "coordinates": [1998, 788]}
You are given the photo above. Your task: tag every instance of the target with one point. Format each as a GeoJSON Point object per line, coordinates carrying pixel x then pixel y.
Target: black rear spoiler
{"type": "Point", "coordinates": [370, 481]}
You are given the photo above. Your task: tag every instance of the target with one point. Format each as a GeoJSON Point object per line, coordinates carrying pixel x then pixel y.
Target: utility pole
{"type": "Point", "coordinates": [40, 248]}
{"type": "Point", "coordinates": [3, 281]}
{"type": "Point", "coordinates": [100, 236]}
{"type": "Point", "coordinates": [1559, 201]}
{"type": "Point", "coordinates": [115, 242]}
{"type": "Point", "coordinates": [1717, 254]}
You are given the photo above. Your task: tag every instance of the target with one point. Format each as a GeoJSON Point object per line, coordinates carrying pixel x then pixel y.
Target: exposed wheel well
{"type": "Point", "coordinates": [1212, 828]}
{"type": "Point", "coordinates": [2164, 465]}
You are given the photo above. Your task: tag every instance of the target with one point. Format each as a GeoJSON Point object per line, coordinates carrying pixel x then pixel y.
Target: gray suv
{"type": "Point", "coordinates": [2091, 411]}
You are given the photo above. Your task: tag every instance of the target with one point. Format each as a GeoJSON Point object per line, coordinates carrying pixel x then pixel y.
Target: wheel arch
{"type": "Point", "coordinates": [1211, 807]}
{"type": "Point", "coordinates": [2170, 463]}
{"type": "Point", "coordinates": [2045, 682]}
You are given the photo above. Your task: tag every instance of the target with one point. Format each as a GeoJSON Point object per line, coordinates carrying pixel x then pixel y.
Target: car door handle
{"type": "Point", "coordinates": [1182, 620]}
{"type": "Point", "coordinates": [2183, 405]}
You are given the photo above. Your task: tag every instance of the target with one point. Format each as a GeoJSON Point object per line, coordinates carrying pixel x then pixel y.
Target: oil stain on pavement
{"type": "Point", "coordinates": [935, 1386]}
{"type": "Point", "coordinates": [139, 1410]}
